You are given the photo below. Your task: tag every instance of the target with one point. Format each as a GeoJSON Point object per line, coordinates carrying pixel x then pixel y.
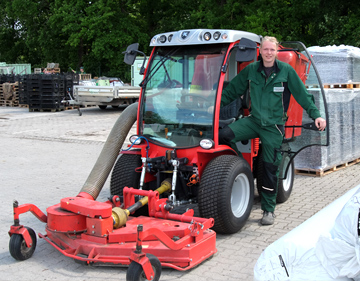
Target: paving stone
{"type": "Point", "coordinates": [47, 156]}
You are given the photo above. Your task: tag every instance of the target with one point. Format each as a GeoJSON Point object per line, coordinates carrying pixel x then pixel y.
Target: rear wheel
{"type": "Point", "coordinates": [226, 193]}
{"type": "Point", "coordinates": [285, 185]}
{"type": "Point", "coordinates": [102, 106]}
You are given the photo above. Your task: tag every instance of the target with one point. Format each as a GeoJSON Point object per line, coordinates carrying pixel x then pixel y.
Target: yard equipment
{"type": "Point", "coordinates": [177, 133]}
{"type": "Point", "coordinates": [174, 161]}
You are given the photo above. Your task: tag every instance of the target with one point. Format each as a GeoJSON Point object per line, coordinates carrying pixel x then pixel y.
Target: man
{"type": "Point", "coordinates": [82, 71]}
{"type": "Point", "coordinates": [270, 83]}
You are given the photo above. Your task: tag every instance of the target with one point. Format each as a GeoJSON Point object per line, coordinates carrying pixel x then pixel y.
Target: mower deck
{"type": "Point", "coordinates": [172, 242]}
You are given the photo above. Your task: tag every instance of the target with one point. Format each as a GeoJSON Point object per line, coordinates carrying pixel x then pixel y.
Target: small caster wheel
{"type": "Point", "coordinates": [18, 248]}
{"type": "Point", "coordinates": [135, 271]}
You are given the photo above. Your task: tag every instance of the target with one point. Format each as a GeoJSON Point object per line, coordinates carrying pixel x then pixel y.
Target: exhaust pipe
{"type": "Point", "coordinates": [109, 153]}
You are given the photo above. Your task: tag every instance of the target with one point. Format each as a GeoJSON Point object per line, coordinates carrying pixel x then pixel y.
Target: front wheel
{"type": "Point", "coordinates": [135, 271]}
{"type": "Point", "coordinates": [125, 174]}
{"type": "Point", "coordinates": [18, 248]}
{"type": "Point", "coordinates": [226, 193]}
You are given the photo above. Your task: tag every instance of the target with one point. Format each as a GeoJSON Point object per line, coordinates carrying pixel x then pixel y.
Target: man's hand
{"type": "Point", "coordinates": [320, 123]}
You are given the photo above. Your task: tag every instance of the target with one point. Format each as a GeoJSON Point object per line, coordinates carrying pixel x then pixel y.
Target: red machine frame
{"type": "Point", "coordinates": [82, 229]}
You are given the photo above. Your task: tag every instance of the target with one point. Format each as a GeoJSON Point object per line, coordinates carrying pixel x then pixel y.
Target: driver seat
{"type": "Point", "coordinates": [234, 110]}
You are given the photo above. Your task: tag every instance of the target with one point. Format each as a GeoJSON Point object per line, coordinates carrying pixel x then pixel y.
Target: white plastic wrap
{"type": "Point", "coordinates": [344, 125]}
{"type": "Point", "coordinates": [337, 64]}
{"type": "Point", "coordinates": [325, 247]}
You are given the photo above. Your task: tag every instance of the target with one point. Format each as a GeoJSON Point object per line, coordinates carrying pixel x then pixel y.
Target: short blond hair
{"type": "Point", "coordinates": [270, 39]}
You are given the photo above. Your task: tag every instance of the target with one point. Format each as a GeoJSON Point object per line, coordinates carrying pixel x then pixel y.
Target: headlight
{"type": "Point", "coordinates": [162, 39]}
{"type": "Point", "coordinates": [134, 139]}
{"type": "Point", "coordinates": [207, 36]}
{"type": "Point", "coordinates": [207, 144]}
{"type": "Point", "coordinates": [170, 37]}
{"type": "Point", "coordinates": [217, 35]}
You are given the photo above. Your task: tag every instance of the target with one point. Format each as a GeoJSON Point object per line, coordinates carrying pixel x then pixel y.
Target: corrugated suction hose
{"type": "Point", "coordinates": [109, 153]}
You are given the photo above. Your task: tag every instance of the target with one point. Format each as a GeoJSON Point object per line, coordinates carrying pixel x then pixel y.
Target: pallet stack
{"type": "Point", "coordinates": [71, 80]}
{"type": "Point", "coordinates": [45, 92]}
{"type": "Point", "coordinates": [339, 70]}
{"type": "Point", "coordinates": [23, 97]}
{"type": "Point", "coordinates": [9, 94]}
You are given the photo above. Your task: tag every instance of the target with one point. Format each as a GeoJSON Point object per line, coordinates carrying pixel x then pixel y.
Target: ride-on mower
{"type": "Point", "coordinates": [174, 161]}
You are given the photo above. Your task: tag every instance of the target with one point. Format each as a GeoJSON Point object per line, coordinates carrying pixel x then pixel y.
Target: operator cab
{"type": "Point", "coordinates": [186, 74]}
{"type": "Point", "coordinates": [179, 117]}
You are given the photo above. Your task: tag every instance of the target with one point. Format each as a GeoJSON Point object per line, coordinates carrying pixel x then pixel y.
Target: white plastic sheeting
{"type": "Point", "coordinates": [325, 247]}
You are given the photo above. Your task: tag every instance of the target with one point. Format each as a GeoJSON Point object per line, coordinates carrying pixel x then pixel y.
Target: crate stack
{"type": "Point", "coordinates": [71, 80]}
{"type": "Point", "coordinates": [23, 95]}
{"type": "Point", "coordinates": [53, 68]}
{"type": "Point", "coordinates": [45, 92]}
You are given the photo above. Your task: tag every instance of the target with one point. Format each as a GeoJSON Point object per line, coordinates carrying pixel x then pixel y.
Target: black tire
{"type": "Point", "coordinates": [226, 193]}
{"type": "Point", "coordinates": [18, 248]}
{"type": "Point", "coordinates": [103, 107]}
{"type": "Point", "coordinates": [124, 173]}
{"type": "Point", "coordinates": [285, 185]}
{"type": "Point", "coordinates": [135, 271]}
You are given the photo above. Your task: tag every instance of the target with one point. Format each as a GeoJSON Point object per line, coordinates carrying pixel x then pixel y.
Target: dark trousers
{"type": "Point", "coordinates": [271, 140]}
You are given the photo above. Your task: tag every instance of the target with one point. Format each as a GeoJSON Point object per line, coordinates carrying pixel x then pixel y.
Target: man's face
{"type": "Point", "coordinates": [268, 52]}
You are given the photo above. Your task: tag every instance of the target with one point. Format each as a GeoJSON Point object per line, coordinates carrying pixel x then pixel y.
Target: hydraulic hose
{"type": "Point", "coordinates": [109, 153]}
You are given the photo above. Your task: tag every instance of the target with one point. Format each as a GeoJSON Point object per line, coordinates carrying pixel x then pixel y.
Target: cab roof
{"type": "Point", "coordinates": [201, 36]}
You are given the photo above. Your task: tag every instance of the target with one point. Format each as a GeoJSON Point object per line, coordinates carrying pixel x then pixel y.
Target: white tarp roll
{"type": "Point", "coordinates": [325, 247]}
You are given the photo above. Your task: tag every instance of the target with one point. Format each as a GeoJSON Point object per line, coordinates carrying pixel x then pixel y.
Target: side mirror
{"type": "Point", "coordinates": [130, 53]}
{"type": "Point", "coordinates": [246, 50]}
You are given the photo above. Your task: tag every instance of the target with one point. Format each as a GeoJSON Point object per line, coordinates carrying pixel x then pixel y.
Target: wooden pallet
{"type": "Point", "coordinates": [46, 109]}
{"type": "Point", "coordinates": [342, 86]}
{"type": "Point", "coordinates": [10, 103]}
{"type": "Point", "coordinates": [323, 172]}
{"type": "Point", "coordinates": [4, 94]}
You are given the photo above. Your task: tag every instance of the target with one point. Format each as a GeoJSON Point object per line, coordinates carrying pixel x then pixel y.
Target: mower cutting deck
{"type": "Point", "coordinates": [102, 232]}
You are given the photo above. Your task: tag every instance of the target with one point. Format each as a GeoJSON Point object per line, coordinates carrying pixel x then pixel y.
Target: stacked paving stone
{"type": "Point", "coordinates": [339, 70]}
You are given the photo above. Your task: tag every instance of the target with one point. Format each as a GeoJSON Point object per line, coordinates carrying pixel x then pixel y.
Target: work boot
{"type": "Point", "coordinates": [268, 218]}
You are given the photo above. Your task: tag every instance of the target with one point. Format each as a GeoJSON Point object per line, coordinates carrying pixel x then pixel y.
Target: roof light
{"type": "Point", "coordinates": [207, 143]}
{"type": "Point", "coordinates": [170, 37]}
{"type": "Point", "coordinates": [184, 34]}
{"type": "Point", "coordinates": [207, 36]}
{"type": "Point", "coordinates": [217, 35]}
{"type": "Point", "coordinates": [162, 39]}
{"type": "Point", "coordinates": [224, 36]}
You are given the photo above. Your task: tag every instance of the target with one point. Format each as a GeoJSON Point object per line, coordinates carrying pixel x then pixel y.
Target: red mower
{"type": "Point", "coordinates": [175, 164]}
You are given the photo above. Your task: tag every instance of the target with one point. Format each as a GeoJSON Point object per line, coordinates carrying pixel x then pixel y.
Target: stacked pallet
{"type": "Point", "coordinates": [339, 70]}
{"type": "Point", "coordinates": [9, 94]}
{"type": "Point", "coordinates": [71, 80]}
{"type": "Point", "coordinates": [45, 92]}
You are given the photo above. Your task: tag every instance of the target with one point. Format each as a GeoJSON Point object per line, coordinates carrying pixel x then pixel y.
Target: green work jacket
{"type": "Point", "coordinates": [270, 96]}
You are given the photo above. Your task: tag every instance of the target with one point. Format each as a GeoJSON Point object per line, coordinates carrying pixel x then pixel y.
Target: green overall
{"type": "Point", "coordinates": [270, 98]}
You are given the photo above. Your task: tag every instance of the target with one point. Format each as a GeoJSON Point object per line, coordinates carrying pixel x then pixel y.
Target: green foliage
{"type": "Point", "coordinates": [94, 34]}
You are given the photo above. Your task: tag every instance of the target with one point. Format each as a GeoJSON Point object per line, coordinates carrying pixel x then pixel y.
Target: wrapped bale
{"type": "Point", "coordinates": [336, 64]}
{"type": "Point", "coordinates": [344, 126]}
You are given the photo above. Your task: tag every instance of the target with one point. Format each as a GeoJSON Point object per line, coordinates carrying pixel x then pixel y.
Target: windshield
{"type": "Point", "coordinates": [179, 88]}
